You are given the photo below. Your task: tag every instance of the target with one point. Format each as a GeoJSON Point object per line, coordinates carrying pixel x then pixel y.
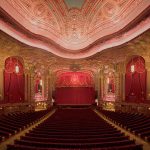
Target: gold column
{"type": "Point", "coordinates": [46, 86]}
{"type": "Point", "coordinates": [120, 86]}
{"type": "Point", "coordinates": [117, 86]}
{"type": "Point", "coordinates": [98, 86]}
{"type": "Point", "coordinates": [148, 85]}
{"type": "Point", "coordinates": [102, 86]}
{"type": "Point", "coordinates": [122, 81]}
{"type": "Point", "coordinates": [123, 86]}
{"type": "Point", "coordinates": [26, 87]}
{"type": "Point", "coordinates": [53, 80]}
{"type": "Point", "coordinates": [148, 81]}
{"type": "Point", "coordinates": [32, 91]}
{"type": "Point", "coordinates": [49, 89]}
{"type": "Point", "coordinates": [1, 82]}
{"type": "Point", "coordinates": [43, 85]}
{"type": "Point", "coordinates": [29, 87]}
{"type": "Point", "coordinates": [96, 81]}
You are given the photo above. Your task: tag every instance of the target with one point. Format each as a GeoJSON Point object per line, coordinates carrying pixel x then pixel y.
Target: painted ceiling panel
{"type": "Point", "coordinates": [74, 3]}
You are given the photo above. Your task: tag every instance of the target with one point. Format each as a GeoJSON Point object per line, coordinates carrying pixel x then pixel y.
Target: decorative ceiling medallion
{"type": "Point", "coordinates": [75, 67]}
{"type": "Point", "coordinates": [110, 8]}
{"type": "Point", "coordinates": [74, 3]}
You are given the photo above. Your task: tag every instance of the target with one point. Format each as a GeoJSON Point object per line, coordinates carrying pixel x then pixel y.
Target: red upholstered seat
{"type": "Point", "coordinates": [12, 123]}
{"type": "Point", "coordinates": [135, 123]}
{"type": "Point", "coordinates": [74, 129]}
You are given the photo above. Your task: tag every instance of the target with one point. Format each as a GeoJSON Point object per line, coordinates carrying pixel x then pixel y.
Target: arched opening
{"type": "Point", "coordinates": [39, 91]}
{"type": "Point", "coordinates": [75, 88]}
{"type": "Point", "coordinates": [14, 81]}
{"type": "Point", "coordinates": [109, 91]}
{"type": "Point", "coordinates": [109, 87]}
{"type": "Point", "coordinates": [135, 80]}
{"type": "Point", "coordinates": [38, 87]}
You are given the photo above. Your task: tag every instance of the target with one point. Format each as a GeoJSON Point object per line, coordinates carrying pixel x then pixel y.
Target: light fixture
{"type": "Point", "coordinates": [17, 67]}
{"type": "Point", "coordinates": [132, 68]}
{"type": "Point", "coordinates": [108, 80]}
{"type": "Point", "coordinates": [41, 82]}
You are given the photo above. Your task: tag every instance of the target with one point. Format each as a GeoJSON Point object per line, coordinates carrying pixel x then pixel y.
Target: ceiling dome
{"type": "Point", "coordinates": [74, 29]}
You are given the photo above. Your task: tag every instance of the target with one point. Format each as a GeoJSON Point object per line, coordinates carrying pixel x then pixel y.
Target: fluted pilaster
{"type": "Point", "coordinates": [1, 82]}
{"type": "Point", "coordinates": [148, 81]}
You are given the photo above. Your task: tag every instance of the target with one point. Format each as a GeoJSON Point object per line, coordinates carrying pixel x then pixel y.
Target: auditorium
{"type": "Point", "coordinates": [74, 74]}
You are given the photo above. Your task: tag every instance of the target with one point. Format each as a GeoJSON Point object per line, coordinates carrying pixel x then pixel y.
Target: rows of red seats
{"type": "Point", "coordinates": [138, 124]}
{"type": "Point", "coordinates": [74, 129]}
{"type": "Point", "coordinates": [12, 123]}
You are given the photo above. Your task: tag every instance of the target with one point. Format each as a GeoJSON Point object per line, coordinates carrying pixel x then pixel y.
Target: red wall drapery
{"type": "Point", "coordinates": [13, 82]}
{"type": "Point", "coordinates": [135, 83]}
{"type": "Point", "coordinates": [75, 95]}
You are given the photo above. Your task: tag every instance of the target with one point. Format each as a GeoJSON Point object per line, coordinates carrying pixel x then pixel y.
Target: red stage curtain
{"type": "Point", "coordinates": [75, 95]}
{"type": "Point", "coordinates": [14, 83]}
{"type": "Point", "coordinates": [135, 83]}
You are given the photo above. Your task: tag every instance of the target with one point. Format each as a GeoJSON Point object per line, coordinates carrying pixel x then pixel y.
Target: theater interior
{"type": "Point", "coordinates": [75, 74]}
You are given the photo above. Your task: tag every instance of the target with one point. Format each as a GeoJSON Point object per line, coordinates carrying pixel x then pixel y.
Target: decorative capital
{"type": "Point", "coordinates": [147, 66]}
{"type": "Point", "coordinates": [2, 65]}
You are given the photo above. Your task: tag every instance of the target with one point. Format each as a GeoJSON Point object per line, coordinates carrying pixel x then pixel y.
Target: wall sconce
{"type": "Point", "coordinates": [108, 80]}
{"type": "Point", "coordinates": [132, 68]}
{"type": "Point", "coordinates": [17, 69]}
{"type": "Point", "coordinates": [41, 82]}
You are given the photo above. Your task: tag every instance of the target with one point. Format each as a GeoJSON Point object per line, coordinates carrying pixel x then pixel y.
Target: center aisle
{"type": "Point", "coordinates": [74, 129]}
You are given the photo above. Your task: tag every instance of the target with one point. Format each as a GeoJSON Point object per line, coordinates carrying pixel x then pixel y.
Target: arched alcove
{"type": "Point", "coordinates": [109, 85]}
{"type": "Point", "coordinates": [135, 80]}
{"type": "Point", "coordinates": [14, 81]}
{"type": "Point", "coordinates": [38, 90]}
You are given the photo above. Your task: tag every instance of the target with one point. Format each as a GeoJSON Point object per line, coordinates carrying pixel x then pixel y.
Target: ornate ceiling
{"type": "Point", "coordinates": [74, 29]}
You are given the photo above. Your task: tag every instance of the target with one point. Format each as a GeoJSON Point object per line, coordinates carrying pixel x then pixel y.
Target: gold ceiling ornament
{"type": "Point", "coordinates": [75, 67]}
{"type": "Point", "coordinates": [108, 69]}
